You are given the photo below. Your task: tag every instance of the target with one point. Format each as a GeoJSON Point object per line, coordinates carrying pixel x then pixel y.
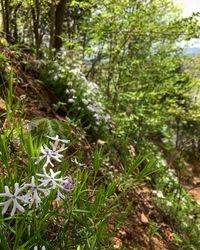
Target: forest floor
{"type": "Point", "coordinates": [146, 227]}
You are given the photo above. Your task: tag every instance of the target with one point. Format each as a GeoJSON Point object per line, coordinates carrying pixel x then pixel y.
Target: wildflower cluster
{"type": "Point", "coordinates": [83, 95]}
{"type": "Point", "coordinates": [176, 202]}
{"type": "Point", "coordinates": [90, 99]}
{"type": "Point", "coordinates": [29, 194]}
{"type": "Point", "coordinates": [169, 184]}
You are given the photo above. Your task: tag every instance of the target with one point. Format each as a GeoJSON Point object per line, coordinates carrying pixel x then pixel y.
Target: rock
{"type": "Point", "coordinates": [117, 243]}
{"type": "Point", "coordinates": [157, 244]}
{"type": "Point", "coordinates": [144, 219]}
{"type": "Point", "coordinates": [2, 104]}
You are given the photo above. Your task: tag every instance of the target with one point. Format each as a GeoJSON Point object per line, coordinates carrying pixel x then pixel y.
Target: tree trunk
{"type": "Point", "coordinates": [36, 25]}
{"type": "Point", "coordinates": [5, 5]}
{"type": "Point", "coordinates": [59, 20]}
{"type": "Point", "coordinates": [3, 14]}
{"type": "Point", "coordinates": [13, 25]}
{"type": "Point", "coordinates": [52, 25]}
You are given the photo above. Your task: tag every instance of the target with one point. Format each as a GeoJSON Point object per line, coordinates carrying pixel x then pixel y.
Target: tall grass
{"type": "Point", "coordinates": [80, 219]}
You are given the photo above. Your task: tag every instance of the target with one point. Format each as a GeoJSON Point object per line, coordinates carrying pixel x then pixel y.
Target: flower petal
{"type": "Point", "coordinates": [6, 205]}
{"type": "Point", "coordinates": [18, 206]}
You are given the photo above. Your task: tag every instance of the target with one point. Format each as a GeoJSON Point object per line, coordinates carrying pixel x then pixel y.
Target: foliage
{"type": "Point", "coordinates": [120, 75]}
{"type": "Point", "coordinates": [46, 127]}
{"type": "Point", "coordinates": [83, 213]}
{"type": "Point", "coordinates": [80, 98]}
{"type": "Point", "coordinates": [183, 211]}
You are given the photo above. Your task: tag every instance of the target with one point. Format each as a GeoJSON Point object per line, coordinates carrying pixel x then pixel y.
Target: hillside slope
{"type": "Point", "coordinates": [145, 226]}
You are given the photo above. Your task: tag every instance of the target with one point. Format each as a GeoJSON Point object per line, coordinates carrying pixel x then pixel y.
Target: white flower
{"type": "Point", "coordinates": [183, 199]}
{"type": "Point", "coordinates": [50, 180]}
{"type": "Point", "coordinates": [50, 153]}
{"type": "Point", "coordinates": [62, 70]}
{"type": "Point", "coordinates": [85, 102]}
{"type": "Point", "coordinates": [32, 194]}
{"type": "Point", "coordinates": [56, 139]}
{"type": "Point", "coordinates": [13, 199]}
{"type": "Point", "coordinates": [56, 77]}
{"type": "Point", "coordinates": [191, 216]}
{"type": "Point", "coordinates": [69, 83]}
{"type": "Point", "coordinates": [107, 117]}
{"type": "Point", "coordinates": [77, 163]}
{"type": "Point", "coordinates": [93, 86]}
{"type": "Point", "coordinates": [160, 194]}
{"type": "Point", "coordinates": [22, 97]}
{"type": "Point", "coordinates": [169, 203]}
{"type": "Point", "coordinates": [98, 123]}
{"type": "Point", "coordinates": [73, 91]}
{"type": "Point", "coordinates": [172, 171]}
{"type": "Point", "coordinates": [71, 100]}
{"type": "Point", "coordinates": [66, 186]}
{"type": "Point", "coordinates": [36, 248]}
{"type": "Point", "coordinates": [185, 224]}
{"type": "Point", "coordinates": [97, 116]}
{"type": "Point", "coordinates": [76, 71]}
{"type": "Point", "coordinates": [90, 108]}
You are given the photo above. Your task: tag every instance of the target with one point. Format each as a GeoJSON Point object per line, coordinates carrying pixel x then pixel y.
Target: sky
{"type": "Point", "coordinates": [189, 6]}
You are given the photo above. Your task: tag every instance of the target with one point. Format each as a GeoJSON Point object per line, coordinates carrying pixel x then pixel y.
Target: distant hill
{"type": "Point", "coordinates": [193, 51]}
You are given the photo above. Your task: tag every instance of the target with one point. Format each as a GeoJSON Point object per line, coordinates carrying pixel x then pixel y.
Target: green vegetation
{"type": "Point", "coordinates": [123, 108]}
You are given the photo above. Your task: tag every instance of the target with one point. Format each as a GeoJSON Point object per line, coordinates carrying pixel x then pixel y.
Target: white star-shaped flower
{"type": "Point", "coordinates": [66, 186]}
{"type": "Point", "coordinates": [50, 180]}
{"type": "Point", "coordinates": [50, 154]}
{"type": "Point", "coordinates": [57, 139]}
{"type": "Point", "coordinates": [32, 195]}
{"type": "Point", "coordinates": [13, 199]}
{"type": "Point", "coordinates": [77, 163]}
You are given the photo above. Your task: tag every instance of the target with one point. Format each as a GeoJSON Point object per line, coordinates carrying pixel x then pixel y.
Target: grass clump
{"type": "Point", "coordinates": [50, 199]}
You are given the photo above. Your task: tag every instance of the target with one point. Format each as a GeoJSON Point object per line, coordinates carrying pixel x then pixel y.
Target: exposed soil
{"type": "Point", "coordinates": [194, 188]}
{"type": "Point", "coordinates": [145, 228]}
{"type": "Point", "coordinates": [37, 97]}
